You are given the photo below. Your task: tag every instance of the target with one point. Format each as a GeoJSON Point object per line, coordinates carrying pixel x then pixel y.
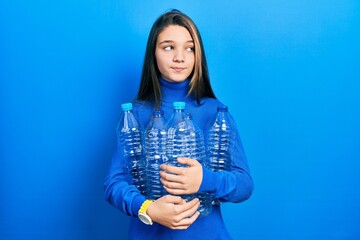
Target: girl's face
{"type": "Point", "coordinates": [175, 53]}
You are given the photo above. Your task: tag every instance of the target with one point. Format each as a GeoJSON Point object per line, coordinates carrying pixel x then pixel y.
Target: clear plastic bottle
{"type": "Point", "coordinates": [184, 139]}
{"type": "Point", "coordinates": [220, 140]}
{"type": "Point", "coordinates": [177, 135]}
{"type": "Point", "coordinates": [129, 134]}
{"type": "Point", "coordinates": [155, 145]}
{"type": "Point", "coordinates": [197, 151]}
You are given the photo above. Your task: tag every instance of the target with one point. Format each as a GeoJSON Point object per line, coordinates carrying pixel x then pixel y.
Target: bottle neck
{"type": "Point", "coordinates": [222, 111]}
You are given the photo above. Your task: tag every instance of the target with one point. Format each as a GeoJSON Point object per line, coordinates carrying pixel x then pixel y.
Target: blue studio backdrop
{"type": "Point", "coordinates": [288, 70]}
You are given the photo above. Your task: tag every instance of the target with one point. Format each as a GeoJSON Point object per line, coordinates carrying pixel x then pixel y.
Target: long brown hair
{"type": "Point", "coordinates": [200, 86]}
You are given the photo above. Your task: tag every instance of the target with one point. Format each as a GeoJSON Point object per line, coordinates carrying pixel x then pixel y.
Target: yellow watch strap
{"type": "Point", "coordinates": [145, 206]}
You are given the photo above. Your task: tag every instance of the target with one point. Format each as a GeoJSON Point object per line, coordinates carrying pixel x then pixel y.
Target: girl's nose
{"type": "Point", "coordinates": [179, 57]}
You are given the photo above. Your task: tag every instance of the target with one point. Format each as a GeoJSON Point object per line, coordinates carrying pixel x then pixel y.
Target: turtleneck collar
{"type": "Point", "coordinates": [172, 92]}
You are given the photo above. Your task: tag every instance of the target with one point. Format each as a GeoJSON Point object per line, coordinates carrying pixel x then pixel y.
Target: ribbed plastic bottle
{"type": "Point", "coordinates": [197, 151]}
{"type": "Point", "coordinates": [129, 133]}
{"type": "Point", "coordinates": [155, 145]}
{"type": "Point", "coordinates": [220, 140]}
{"type": "Point", "coordinates": [183, 140]}
{"type": "Point", "coordinates": [177, 135]}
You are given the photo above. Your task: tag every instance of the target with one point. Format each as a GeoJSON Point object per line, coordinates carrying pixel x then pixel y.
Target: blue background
{"type": "Point", "coordinates": [288, 70]}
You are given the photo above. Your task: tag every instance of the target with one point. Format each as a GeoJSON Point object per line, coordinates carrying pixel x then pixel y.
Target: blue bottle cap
{"type": "Point", "coordinates": [126, 106]}
{"type": "Point", "coordinates": [222, 108]}
{"type": "Point", "coordinates": [179, 105]}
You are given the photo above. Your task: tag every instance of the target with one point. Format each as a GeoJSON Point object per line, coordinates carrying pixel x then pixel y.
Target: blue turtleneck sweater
{"type": "Point", "coordinates": [234, 186]}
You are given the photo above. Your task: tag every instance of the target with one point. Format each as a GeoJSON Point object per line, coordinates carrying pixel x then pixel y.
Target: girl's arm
{"type": "Point", "coordinates": [227, 186]}
{"type": "Point", "coordinates": [118, 190]}
{"type": "Point", "coordinates": [170, 211]}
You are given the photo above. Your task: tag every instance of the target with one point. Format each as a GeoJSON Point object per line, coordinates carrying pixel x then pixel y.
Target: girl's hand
{"type": "Point", "coordinates": [174, 212]}
{"type": "Point", "coordinates": [182, 180]}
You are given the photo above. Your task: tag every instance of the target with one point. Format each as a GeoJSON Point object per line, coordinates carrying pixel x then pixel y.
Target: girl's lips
{"type": "Point", "coordinates": [177, 69]}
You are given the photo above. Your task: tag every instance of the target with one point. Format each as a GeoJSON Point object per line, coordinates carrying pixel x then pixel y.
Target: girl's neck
{"type": "Point", "coordinates": [172, 92]}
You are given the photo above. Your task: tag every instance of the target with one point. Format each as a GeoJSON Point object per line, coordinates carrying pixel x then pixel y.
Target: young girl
{"type": "Point", "coordinates": [175, 69]}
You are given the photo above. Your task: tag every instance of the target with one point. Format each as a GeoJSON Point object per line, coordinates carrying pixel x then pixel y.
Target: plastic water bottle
{"type": "Point", "coordinates": [197, 151]}
{"type": "Point", "coordinates": [177, 135]}
{"type": "Point", "coordinates": [196, 144]}
{"type": "Point", "coordinates": [185, 140]}
{"type": "Point", "coordinates": [220, 140]}
{"type": "Point", "coordinates": [155, 145]}
{"type": "Point", "coordinates": [128, 131]}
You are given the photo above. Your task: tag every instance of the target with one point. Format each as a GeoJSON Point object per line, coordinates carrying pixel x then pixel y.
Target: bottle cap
{"type": "Point", "coordinates": [179, 105]}
{"type": "Point", "coordinates": [222, 108]}
{"type": "Point", "coordinates": [126, 106]}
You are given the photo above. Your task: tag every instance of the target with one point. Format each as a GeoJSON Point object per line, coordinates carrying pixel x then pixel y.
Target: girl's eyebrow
{"type": "Point", "coordinates": [171, 41]}
{"type": "Point", "coordinates": [166, 41]}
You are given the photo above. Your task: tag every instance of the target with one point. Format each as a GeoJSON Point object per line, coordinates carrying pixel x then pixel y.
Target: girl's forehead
{"type": "Point", "coordinates": [174, 32]}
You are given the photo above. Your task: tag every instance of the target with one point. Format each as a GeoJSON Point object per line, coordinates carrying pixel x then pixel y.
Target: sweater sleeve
{"type": "Point", "coordinates": [118, 190]}
{"type": "Point", "coordinates": [230, 186]}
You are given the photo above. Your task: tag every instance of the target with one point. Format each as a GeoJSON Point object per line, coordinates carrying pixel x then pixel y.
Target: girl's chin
{"type": "Point", "coordinates": [175, 80]}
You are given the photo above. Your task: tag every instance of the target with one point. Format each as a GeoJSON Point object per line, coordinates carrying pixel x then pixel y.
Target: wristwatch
{"type": "Point", "coordinates": [142, 212]}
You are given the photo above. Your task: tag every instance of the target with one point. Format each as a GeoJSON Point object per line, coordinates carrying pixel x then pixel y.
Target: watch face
{"type": "Point", "coordinates": [145, 219]}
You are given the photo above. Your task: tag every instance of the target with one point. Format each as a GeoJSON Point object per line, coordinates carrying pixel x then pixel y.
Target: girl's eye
{"type": "Point", "coordinates": [190, 49]}
{"type": "Point", "coordinates": [168, 48]}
